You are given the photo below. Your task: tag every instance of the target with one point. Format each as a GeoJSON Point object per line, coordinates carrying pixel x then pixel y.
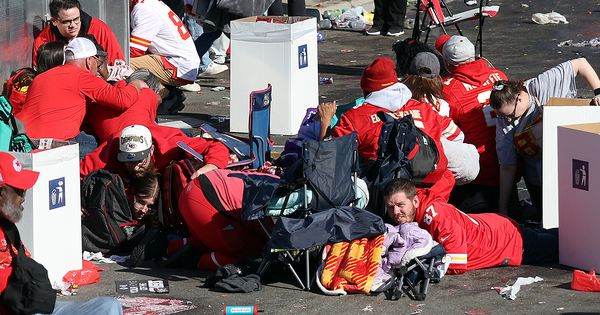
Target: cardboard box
{"type": "Point", "coordinates": [282, 54]}
{"type": "Point", "coordinates": [559, 111]}
{"type": "Point", "coordinates": [578, 189]}
{"type": "Point", "coordinates": [51, 224]}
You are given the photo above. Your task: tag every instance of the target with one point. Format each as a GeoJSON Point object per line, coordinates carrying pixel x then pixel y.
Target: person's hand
{"type": "Point", "coordinates": [139, 84]}
{"type": "Point", "coordinates": [595, 100]}
{"type": "Point", "coordinates": [327, 111]}
{"type": "Point", "coordinates": [204, 169]}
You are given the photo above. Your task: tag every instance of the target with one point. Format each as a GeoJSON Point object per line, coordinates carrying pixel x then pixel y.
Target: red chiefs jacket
{"type": "Point", "coordinates": [165, 150]}
{"type": "Point", "coordinates": [101, 32]}
{"type": "Point", "coordinates": [473, 241]}
{"type": "Point", "coordinates": [468, 93]}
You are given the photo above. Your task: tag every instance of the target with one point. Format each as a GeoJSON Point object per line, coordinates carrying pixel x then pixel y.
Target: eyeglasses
{"type": "Point", "coordinates": [100, 60]}
{"type": "Point", "coordinates": [512, 116]}
{"type": "Point", "coordinates": [74, 21]}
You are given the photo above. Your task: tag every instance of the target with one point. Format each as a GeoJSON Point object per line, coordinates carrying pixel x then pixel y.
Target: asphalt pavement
{"type": "Point", "coordinates": [513, 43]}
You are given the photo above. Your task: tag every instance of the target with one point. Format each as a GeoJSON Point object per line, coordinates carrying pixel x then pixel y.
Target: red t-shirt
{"type": "Point", "coordinates": [103, 34]}
{"type": "Point", "coordinates": [165, 151]}
{"type": "Point", "coordinates": [472, 241]}
{"type": "Point", "coordinates": [106, 123]}
{"type": "Point", "coordinates": [468, 94]}
{"type": "Point", "coordinates": [56, 102]}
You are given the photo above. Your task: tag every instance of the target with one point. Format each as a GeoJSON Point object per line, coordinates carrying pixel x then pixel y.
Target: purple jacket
{"type": "Point", "coordinates": [404, 242]}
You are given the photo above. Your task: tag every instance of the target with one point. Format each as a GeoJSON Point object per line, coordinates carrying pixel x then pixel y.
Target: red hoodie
{"type": "Point", "coordinates": [472, 241]}
{"type": "Point", "coordinates": [468, 93]}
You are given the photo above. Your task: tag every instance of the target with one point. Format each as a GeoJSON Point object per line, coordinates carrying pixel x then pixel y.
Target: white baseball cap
{"type": "Point", "coordinates": [135, 143]}
{"type": "Point", "coordinates": [80, 48]}
{"type": "Point", "coordinates": [458, 49]}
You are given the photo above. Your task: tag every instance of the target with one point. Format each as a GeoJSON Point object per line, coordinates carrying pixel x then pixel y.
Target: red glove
{"type": "Point", "coordinates": [585, 281]}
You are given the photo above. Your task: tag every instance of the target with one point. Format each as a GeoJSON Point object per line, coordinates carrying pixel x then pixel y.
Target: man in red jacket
{"type": "Point", "coordinates": [472, 241]}
{"type": "Point", "coordinates": [58, 98]}
{"type": "Point", "coordinates": [383, 93]}
{"type": "Point", "coordinates": [140, 148]}
{"type": "Point", "coordinates": [14, 182]}
{"type": "Point", "coordinates": [69, 21]}
{"type": "Point", "coordinates": [467, 91]}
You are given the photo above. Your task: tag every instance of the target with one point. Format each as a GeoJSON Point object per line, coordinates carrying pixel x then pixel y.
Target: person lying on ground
{"type": "Point", "coordinates": [14, 183]}
{"type": "Point", "coordinates": [141, 148]}
{"type": "Point", "coordinates": [471, 241]}
{"type": "Point", "coordinates": [518, 107]}
{"type": "Point", "coordinates": [69, 21]}
{"type": "Point", "coordinates": [467, 90]}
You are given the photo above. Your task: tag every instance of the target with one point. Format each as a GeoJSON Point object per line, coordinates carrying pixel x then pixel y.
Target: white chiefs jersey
{"type": "Point", "coordinates": [154, 27]}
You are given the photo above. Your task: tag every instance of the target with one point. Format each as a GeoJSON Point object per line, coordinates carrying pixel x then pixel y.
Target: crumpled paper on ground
{"type": "Point", "coordinates": [510, 291]}
{"type": "Point", "coordinates": [549, 18]}
{"type": "Point", "coordinates": [594, 42]}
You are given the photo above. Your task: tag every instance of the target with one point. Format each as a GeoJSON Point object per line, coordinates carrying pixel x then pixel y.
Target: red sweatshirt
{"type": "Point", "coordinates": [365, 122]}
{"type": "Point", "coordinates": [56, 102]}
{"type": "Point", "coordinates": [165, 150]}
{"type": "Point", "coordinates": [472, 241]}
{"type": "Point", "coordinates": [5, 266]}
{"type": "Point", "coordinates": [103, 34]}
{"type": "Point", "coordinates": [468, 93]}
{"type": "Point", "coordinates": [107, 123]}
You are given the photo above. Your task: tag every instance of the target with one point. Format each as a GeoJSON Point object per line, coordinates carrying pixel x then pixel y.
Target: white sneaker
{"type": "Point", "coordinates": [192, 87]}
{"type": "Point", "coordinates": [213, 68]}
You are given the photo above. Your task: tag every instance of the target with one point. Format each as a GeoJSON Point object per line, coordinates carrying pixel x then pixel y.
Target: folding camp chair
{"type": "Point", "coordinates": [413, 279]}
{"type": "Point", "coordinates": [329, 169]}
{"type": "Point", "coordinates": [257, 151]}
{"type": "Point", "coordinates": [437, 18]}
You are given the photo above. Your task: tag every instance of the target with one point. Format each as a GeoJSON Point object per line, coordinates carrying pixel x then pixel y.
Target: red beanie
{"type": "Point", "coordinates": [440, 41]}
{"type": "Point", "coordinates": [378, 75]}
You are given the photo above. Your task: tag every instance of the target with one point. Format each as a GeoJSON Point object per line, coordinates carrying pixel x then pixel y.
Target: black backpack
{"type": "Point", "coordinates": [28, 290]}
{"type": "Point", "coordinates": [107, 220]}
{"type": "Point", "coordinates": [404, 151]}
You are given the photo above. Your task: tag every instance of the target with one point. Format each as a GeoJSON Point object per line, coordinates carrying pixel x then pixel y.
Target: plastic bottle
{"type": "Point", "coordinates": [320, 37]}
{"type": "Point", "coordinates": [358, 25]}
{"type": "Point", "coordinates": [325, 24]}
{"type": "Point", "coordinates": [331, 14]}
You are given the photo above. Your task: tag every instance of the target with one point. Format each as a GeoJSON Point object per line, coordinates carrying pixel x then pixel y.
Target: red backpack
{"type": "Point", "coordinates": [176, 176]}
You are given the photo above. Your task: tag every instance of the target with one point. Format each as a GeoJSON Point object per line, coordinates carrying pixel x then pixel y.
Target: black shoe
{"type": "Point", "coordinates": [396, 31]}
{"type": "Point", "coordinates": [173, 103]}
{"type": "Point", "coordinates": [153, 245]}
{"type": "Point", "coordinates": [186, 257]}
{"type": "Point", "coordinates": [373, 31]}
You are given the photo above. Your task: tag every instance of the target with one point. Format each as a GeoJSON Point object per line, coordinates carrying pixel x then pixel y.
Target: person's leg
{"type": "Point", "coordinates": [87, 143]}
{"type": "Point", "coordinates": [155, 65]}
{"type": "Point", "coordinates": [378, 18]}
{"type": "Point", "coordinates": [219, 49]}
{"type": "Point", "coordinates": [535, 213]}
{"type": "Point", "coordinates": [276, 9]}
{"type": "Point", "coordinates": [473, 198]}
{"type": "Point", "coordinates": [206, 40]}
{"type": "Point", "coordinates": [396, 12]}
{"type": "Point", "coordinates": [296, 8]}
{"type": "Point", "coordinates": [100, 306]}
{"type": "Point", "coordinates": [540, 246]}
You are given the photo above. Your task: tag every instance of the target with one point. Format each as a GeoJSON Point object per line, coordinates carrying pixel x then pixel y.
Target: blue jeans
{"type": "Point", "coordinates": [87, 143]}
{"type": "Point", "coordinates": [100, 306]}
{"type": "Point", "coordinates": [196, 31]}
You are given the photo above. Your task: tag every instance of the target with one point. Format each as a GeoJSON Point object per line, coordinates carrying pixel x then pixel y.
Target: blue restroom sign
{"type": "Point", "coordinates": [56, 190]}
{"type": "Point", "coordinates": [302, 56]}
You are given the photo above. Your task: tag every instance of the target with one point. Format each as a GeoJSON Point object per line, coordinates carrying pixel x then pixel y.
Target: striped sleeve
{"type": "Point", "coordinates": [143, 28]}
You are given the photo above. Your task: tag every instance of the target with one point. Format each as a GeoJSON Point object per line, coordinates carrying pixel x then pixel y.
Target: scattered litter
{"type": "Point", "coordinates": [560, 308]}
{"type": "Point", "coordinates": [218, 88]}
{"type": "Point", "coordinates": [594, 42]}
{"type": "Point", "coordinates": [541, 302]}
{"type": "Point", "coordinates": [64, 288]}
{"type": "Point", "coordinates": [119, 259]}
{"type": "Point", "coordinates": [226, 98]}
{"type": "Point", "coordinates": [323, 96]}
{"type": "Point", "coordinates": [525, 6]}
{"type": "Point", "coordinates": [368, 308]}
{"type": "Point", "coordinates": [154, 306]}
{"type": "Point", "coordinates": [510, 291]}
{"type": "Point", "coordinates": [477, 312]}
{"type": "Point", "coordinates": [89, 256]}
{"type": "Point", "coordinates": [416, 305]}
{"type": "Point", "coordinates": [549, 18]}
{"type": "Point", "coordinates": [325, 80]}
{"type": "Point", "coordinates": [417, 311]}
{"type": "Point", "coordinates": [409, 24]}
{"type": "Point", "coordinates": [346, 50]}
{"type": "Point", "coordinates": [213, 103]}
{"type": "Point", "coordinates": [142, 286]}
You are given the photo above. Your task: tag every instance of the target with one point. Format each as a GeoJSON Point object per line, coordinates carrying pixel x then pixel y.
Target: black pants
{"type": "Point", "coordinates": [295, 8]}
{"type": "Point", "coordinates": [475, 198]}
{"type": "Point", "coordinates": [389, 14]}
{"type": "Point", "coordinates": [540, 246]}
